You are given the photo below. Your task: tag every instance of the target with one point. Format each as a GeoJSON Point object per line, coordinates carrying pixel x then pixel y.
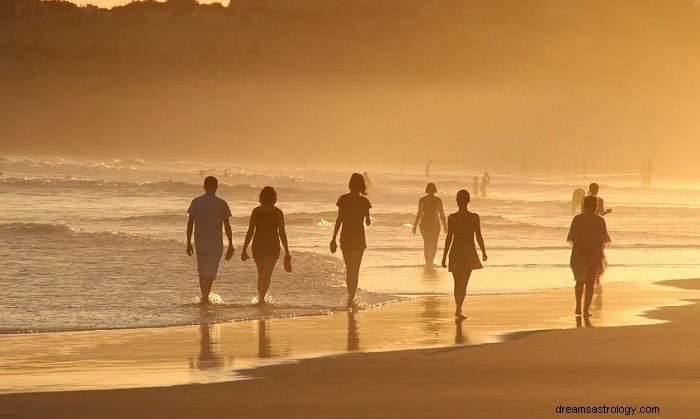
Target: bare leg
{"type": "Point", "coordinates": [460, 291]}
{"type": "Point", "coordinates": [579, 295]}
{"type": "Point", "coordinates": [590, 286]}
{"type": "Point", "coordinates": [265, 266]}
{"type": "Point", "coordinates": [431, 246]}
{"type": "Point", "coordinates": [205, 285]}
{"type": "Point", "coordinates": [353, 260]}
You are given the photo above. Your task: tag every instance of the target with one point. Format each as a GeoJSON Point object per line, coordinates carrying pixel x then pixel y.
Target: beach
{"type": "Point", "coordinates": [532, 358]}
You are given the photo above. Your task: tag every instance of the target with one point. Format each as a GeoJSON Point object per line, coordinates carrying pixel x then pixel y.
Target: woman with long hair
{"type": "Point", "coordinates": [462, 226]}
{"type": "Point", "coordinates": [429, 215]}
{"type": "Point", "coordinates": [266, 230]}
{"type": "Point", "coordinates": [353, 210]}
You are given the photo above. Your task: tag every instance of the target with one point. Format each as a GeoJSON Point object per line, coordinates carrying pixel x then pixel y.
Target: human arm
{"type": "Point", "coordinates": [336, 228]}
{"type": "Point", "coordinates": [248, 236]}
{"type": "Point", "coordinates": [190, 228]}
{"type": "Point", "coordinates": [419, 215]}
{"type": "Point", "coordinates": [448, 242]}
{"type": "Point", "coordinates": [441, 211]}
{"type": "Point", "coordinates": [229, 236]}
{"type": "Point", "coordinates": [479, 238]}
{"type": "Point", "coordinates": [368, 220]}
{"type": "Point", "coordinates": [283, 235]}
{"type": "Point", "coordinates": [603, 210]}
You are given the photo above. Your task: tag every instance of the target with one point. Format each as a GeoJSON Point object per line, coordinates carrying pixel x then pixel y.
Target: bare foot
{"type": "Point", "coordinates": [587, 314]}
{"type": "Point", "coordinates": [460, 316]}
{"type": "Point", "coordinates": [577, 312]}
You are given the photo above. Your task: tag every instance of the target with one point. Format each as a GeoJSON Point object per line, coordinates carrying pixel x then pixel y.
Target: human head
{"type": "Point", "coordinates": [463, 198]}
{"type": "Point", "coordinates": [357, 184]}
{"type": "Point", "coordinates": [430, 188]}
{"type": "Point", "coordinates": [590, 203]}
{"type": "Point", "coordinates": [593, 188]}
{"type": "Point", "coordinates": [210, 184]}
{"type": "Point", "coordinates": [268, 196]}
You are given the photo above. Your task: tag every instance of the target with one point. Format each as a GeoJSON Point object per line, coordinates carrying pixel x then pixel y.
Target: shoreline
{"type": "Point", "coordinates": [216, 353]}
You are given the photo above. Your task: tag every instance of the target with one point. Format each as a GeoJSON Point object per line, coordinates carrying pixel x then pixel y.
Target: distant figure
{"type": "Point", "coordinates": [368, 182]}
{"type": "Point", "coordinates": [647, 170]}
{"type": "Point", "coordinates": [588, 234]}
{"type": "Point", "coordinates": [208, 213]}
{"type": "Point", "coordinates": [462, 226]}
{"type": "Point", "coordinates": [353, 209]}
{"type": "Point", "coordinates": [427, 168]}
{"type": "Point", "coordinates": [266, 229]}
{"type": "Point", "coordinates": [593, 189]}
{"type": "Point", "coordinates": [475, 186]}
{"type": "Point", "coordinates": [485, 182]}
{"type": "Point", "coordinates": [429, 214]}
{"type": "Point", "coordinates": [577, 200]}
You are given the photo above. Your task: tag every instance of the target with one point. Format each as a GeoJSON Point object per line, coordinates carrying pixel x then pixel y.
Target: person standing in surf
{"type": "Point", "coordinates": [429, 215]}
{"type": "Point", "coordinates": [588, 234]}
{"type": "Point", "coordinates": [462, 226]}
{"type": "Point", "coordinates": [266, 230]}
{"type": "Point", "coordinates": [353, 210]}
{"type": "Point", "coordinates": [208, 214]}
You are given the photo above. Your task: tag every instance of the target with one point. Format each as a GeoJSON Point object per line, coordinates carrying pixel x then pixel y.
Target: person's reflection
{"type": "Point", "coordinates": [431, 316]}
{"type": "Point", "coordinates": [582, 321]}
{"type": "Point", "coordinates": [264, 345]}
{"type": "Point", "coordinates": [209, 356]}
{"type": "Point", "coordinates": [353, 333]}
{"type": "Point", "coordinates": [460, 338]}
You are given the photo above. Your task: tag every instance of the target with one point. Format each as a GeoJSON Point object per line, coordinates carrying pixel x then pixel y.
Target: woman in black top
{"type": "Point", "coordinates": [266, 229]}
{"type": "Point", "coordinates": [353, 209]}
{"type": "Point", "coordinates": [429, 215]}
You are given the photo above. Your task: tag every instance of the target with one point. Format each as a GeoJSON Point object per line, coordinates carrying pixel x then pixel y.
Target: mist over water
{"type": "Point", "coordinates": [96, 244]}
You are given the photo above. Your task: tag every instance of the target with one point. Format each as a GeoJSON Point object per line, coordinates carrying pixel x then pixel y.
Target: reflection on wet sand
{"type": "Point", "coordinates": [353, 333]}
{"type": "Point", "coordinates": [264, 344]}
{"type": "Point", "coordinates": [460, 338]}
{"type": "Point", "coordinates": [582, 321]}
{"type": "Point", "coordinates": [209, 349]}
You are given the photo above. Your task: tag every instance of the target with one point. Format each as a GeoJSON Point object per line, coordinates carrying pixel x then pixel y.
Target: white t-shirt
{"type": "Point", "coordinates": [209, 212]}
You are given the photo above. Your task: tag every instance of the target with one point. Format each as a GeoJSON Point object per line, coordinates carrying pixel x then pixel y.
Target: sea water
{"type": "Point", "coordinates": [101, 244]}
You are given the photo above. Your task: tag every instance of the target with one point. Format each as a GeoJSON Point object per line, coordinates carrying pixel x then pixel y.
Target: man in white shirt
{"type": "Point", "coordinates": [208, 213]}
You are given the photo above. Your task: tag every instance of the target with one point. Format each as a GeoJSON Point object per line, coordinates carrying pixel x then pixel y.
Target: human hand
{"type": "Point", "coordinates": [244, 255]}
{"type": "Point", "coordinates": [334, 246]}
{"type": "Point", "coordinates": [190, 249]}
{"type": "Point", "coordinates": [484, 257]}
{"type": "Point", "coordinates": [608, 211]}
{"type": "Point", "coordinates": [414, 228]}
{"type": "Point", "coordinates": [229, 252]}
{"type": "Point", "coordinates": [444, 262]}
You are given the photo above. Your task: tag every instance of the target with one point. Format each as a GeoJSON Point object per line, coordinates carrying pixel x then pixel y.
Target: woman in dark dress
{"type": "Point", "coordinates": [266, 229]}
{"type": "Point", "coordinates": [353, 210]}
{"type": "Point", "coordinates": [462, 226]}
{"type": "Point", "coordinates": [429, 215]}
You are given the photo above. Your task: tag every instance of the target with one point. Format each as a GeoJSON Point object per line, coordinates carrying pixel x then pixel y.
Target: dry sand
{"type": "Point", "coordinates": [529, 375]}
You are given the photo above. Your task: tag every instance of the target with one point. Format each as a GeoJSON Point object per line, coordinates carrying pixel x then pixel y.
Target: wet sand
{"type": "Point", "coordinates": [656, 362]}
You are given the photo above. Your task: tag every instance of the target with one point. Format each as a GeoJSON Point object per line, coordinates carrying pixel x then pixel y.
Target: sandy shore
{"type": "Point", "coordinates": [655, 363]}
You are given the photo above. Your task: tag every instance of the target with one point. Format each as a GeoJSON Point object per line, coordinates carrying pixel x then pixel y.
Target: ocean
{"type": "Point", "coordinates": [91, 244]}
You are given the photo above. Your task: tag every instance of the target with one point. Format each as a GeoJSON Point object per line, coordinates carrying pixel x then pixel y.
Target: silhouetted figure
{"type": "Point", "coordinates": [593, 189]}
{"type": "Point", "coordinates": [266, 229]}
{"type": "Point", "coordinates": [353, 209]}
{"type": "Point", "coordinates": [588, 234]}
{"type": "Point", "coordinates": [462, 226]}
{"type": "Point", "coordinates": [475, 186]}
{"type": "Point", "coordinates": [429, 215]}
{"type": "Point", "coordinates": [368, 182]}
{"type": "Point", "coordinates": [577, 199]}
{"type": "Point", "coordinates": [208, 213]}
{"type": "Point", "coordinates": [485, 182]}
{"type": "Point", "coordinates": [427, 168]}
{"type": "Point", "coordinates": [647, 170]}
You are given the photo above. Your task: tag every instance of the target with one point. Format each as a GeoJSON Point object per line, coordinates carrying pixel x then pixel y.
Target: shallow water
{"type": "Point", "coordinates": [100, 245]}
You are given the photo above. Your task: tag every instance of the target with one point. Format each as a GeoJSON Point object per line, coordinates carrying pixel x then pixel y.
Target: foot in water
{"type": "Point", "coordinates": [459, 316]}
